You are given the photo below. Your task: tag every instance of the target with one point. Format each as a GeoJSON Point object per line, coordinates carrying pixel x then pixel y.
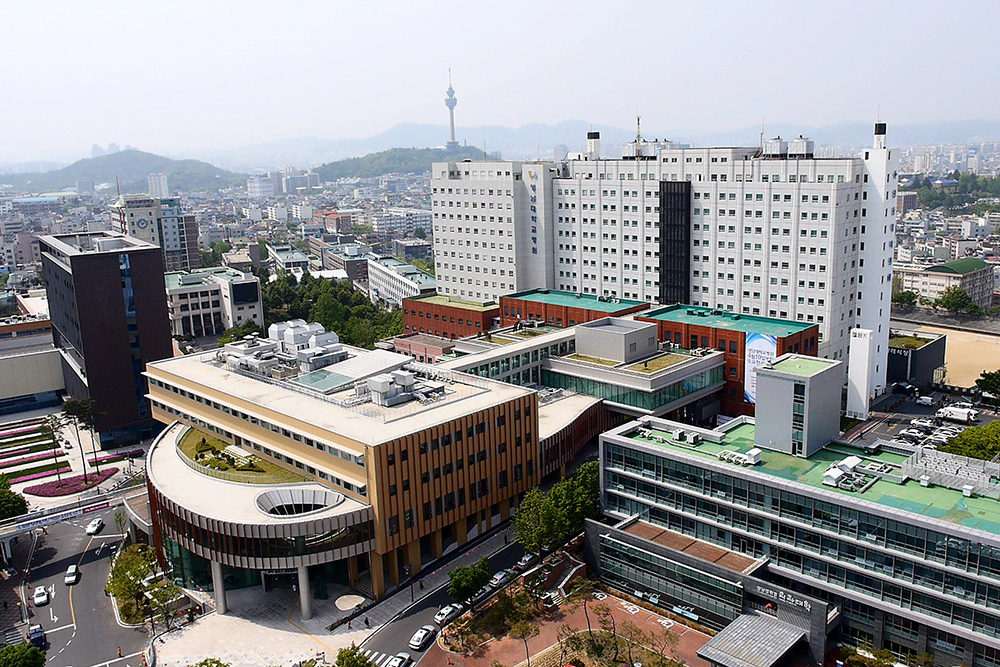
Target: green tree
{"type": "Point", "coordinates": [11, 503]}
{"type": "Point", "coordinates": [525, 630]}
{"type": "Point", "coordinates": [54, 423]}
{"type": "Point", "coordinates": [134, 563]}
{"type": "Point", "coordinates": [21, 655]}
{"type": "Point", "coordinates": [989, 382]}
{"type": "Point", "coordinates": [905, 298]}
{"type": "Point", "coordinates": [82, 412]}
{"type": "Point", "coordinates": [463, 581]}
{"type": "Point", "coordinates": [606, 619]}
{"type": "Point", "coordinates": [954, 299]}
{"type": "Point", "coordinates": [978, 442]}
{"type": "Point", "coordinates": [632, 634]}
{"type": "Point", "coordinates": [583, 591]}
{"type": "Point", "coordinates": [537, 521]}
{"type": "Point", "coordinates": [352, 657]}
{"type": "Point", "coordinates": [211, 662]}
{"type": "Point", "coordinates": [237, 333]}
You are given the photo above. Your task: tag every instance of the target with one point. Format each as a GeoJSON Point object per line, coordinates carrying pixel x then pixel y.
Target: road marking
{"type": "Point", "coordinates": [72, 612]}
{"type": "Point", "coordinates": [98, 552]}
{"type": "Point", "coordinates": [52, 615]}
{"type": "Point", "coordinates": [61, 627]}
{"type": "Point", "coordinates": [111, 662]}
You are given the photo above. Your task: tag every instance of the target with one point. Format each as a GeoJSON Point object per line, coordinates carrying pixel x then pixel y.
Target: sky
{"type": "Point", "coordinates": [186, 76]}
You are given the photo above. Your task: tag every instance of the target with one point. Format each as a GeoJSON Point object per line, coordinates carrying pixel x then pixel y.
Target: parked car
{"type": "Point", "coordinates": [500, 578]}
{"type": "Point", "coordinates": [925, 400]}
{"type": "Point", "coordinates": [527, 560]}
{"type": "Point", "coordinates": [41, 596]}
{"type": "Point", "coordinates": [911, 434]}
{"type": "Point", "coordinates": [36, 636]}
{"type": "Point", "coordinates": [448, 613]}
{"type": "Point", "coordinates": [964, 405]}
{"type": "Point", "coordinates": [481, 595]}
{"type": "Point", "coordinates": [95, 526]}
{"type": "Point", "coordinates": [400, 660]}
{"type": "Point", "coordinates": [924, 422]}
{"type": "Point", "coordinates": [72, 575]}
{"type": "Point", "coordinates": [422, 637]}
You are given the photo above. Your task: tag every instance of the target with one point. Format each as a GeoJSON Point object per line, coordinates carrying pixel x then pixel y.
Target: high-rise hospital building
{"type": "Point", "coordinates": [771, 231]}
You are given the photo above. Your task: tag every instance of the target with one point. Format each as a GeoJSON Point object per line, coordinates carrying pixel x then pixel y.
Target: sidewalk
{"type": "Point", "coordinates": [510, 652]}
{"type": "Point", "coordinates": [267, 628]}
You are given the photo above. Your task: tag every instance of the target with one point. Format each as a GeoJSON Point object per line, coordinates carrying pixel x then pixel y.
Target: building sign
{"type": "Point", "coordinates": [534, 213]}
{"type": "Point", "coordinates": [782, 596]}
{"type": "Point", "coordinates": [759, 350]}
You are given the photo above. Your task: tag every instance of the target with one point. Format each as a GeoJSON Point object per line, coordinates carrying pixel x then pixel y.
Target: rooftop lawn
{"type": "Point", "coordinates": [658, 363]}
{"type": "Point", "coordinates": [265, 472]}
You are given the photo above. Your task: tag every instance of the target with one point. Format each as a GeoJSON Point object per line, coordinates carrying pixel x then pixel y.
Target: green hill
{"type": "Point", "coordinates": [395, 161]}
{"type": "Point", "coordinates": [131, 167]}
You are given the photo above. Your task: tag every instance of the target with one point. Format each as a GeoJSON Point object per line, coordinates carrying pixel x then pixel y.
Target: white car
{"type": "Point", "coordinates": [41, 596]}
{"type": "Point", "coordinates": [499, 579]}
{"type": "Point", "coordinates": [95, 526]}
{"type": "Point", "coordinates": [925, 423]}
{"type": "Point", "coordinates": [448, 614]}
{"type": "Point", "coordinates": [72, 575]}
{"type": "Point", "coordinates": [925, 400]}
{"type": "Point", "coordinates": [400, 660]}
{"type": "Point", "coordinates": [911, 433]}
{"type": "Point", "coordinates": [422, 637]}
{"type": "Point", "coordinates": [965, 405]}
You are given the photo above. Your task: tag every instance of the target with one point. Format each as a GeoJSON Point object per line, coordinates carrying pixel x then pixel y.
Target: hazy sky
{"type": "Point", "coordinates": [176, 77]}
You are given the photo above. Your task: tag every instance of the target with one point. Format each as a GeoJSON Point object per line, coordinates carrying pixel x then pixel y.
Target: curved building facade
{"type": "Point", "coordinates": [222, 532]}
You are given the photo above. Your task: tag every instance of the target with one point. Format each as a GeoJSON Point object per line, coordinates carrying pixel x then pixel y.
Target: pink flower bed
{"type": "Point", "coordinates": [19, 431]}
{"type": "Point", "coordinates": [29, 459]}
{"type": "Point", "coordinates": [134, 453]}
{"type": "Point", "coordinates": [6, 454]}
{"type": "Point", "coordinates": [68, 485]}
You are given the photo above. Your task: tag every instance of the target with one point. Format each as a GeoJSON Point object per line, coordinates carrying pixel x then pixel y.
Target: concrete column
{"type": "Point", "coordinates": [461, 532]}
{"type": "Point", "coordinates": [352, 570]}
{"type": "Point", "coordinates": [378, 581]}
{"type": "Point", "coordinates": [305, 594]}
{"type": "Point", "coordinates": [219, 587]}
{"type": "Point", "coordinates": [436, 544]}
{"type": "Point", "coordinates": [413, 556]}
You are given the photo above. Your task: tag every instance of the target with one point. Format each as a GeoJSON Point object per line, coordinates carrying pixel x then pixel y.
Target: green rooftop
{"type": "Point", "coordinates": [936, 502]}
{"type": "Point", "coordinates": [802, 366]}
{"type": "Point", "coordinates": [708, 317]}
{"type": "Point", "coordinates": [445, 300]}
{"type": "Point", "coordinates": [959, 266]}
{"type": "Point", "coordinates": [577, 300]}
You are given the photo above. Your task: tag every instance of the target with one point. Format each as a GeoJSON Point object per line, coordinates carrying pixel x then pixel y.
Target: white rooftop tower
{"type": "Point", "coordinates": [451, 102]}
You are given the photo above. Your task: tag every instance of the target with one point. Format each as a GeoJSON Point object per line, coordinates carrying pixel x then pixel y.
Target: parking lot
{"type": "Point", "coordinates": [890, 425]}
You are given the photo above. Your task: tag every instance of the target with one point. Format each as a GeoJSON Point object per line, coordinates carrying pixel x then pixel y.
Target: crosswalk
{"type": "Point", "coordinates": [378, 659]}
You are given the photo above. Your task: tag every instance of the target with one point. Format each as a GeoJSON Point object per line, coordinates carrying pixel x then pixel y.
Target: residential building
{"type": "Point", "coordinates": [970, 274]}
{"type": "Point", "coordinates": [399, 222]}
{"type": "Point", "coordinates": [207, 302]}
{"type": "Point", "coordinates": [157, 186]}
{"type": "Point", "coordinates": [771, 231]}
{"type": "Point", "coordinates": [286, 258]}
{"type": "Point", "coordinates": [302, 212]}
{"type": "Point", "coordinates": [410, 249]}
{"type": "Point", "coordinates": [448, 317]}
{"type": "Point", "coordinates": [905, 202]}
{"type": "Point", "coordinates": [260, 187]}
{"type": "Point", "coordinates": [391, 280]}
{"type": "Point", "coordinates": [161, 222]}
{"type": "Point", "coordinates": [748, 342]}
{"type": "Point", "coordinates": [106, 303]}
{"type": "Point", "coordinates": [398, 463]}
{"type": "Point", "coordinates": [351, 258]}
{"type": "Point", "coordinates": [563, 309]}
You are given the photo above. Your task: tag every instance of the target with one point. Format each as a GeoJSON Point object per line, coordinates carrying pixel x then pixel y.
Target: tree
{"type": "Point", "coordinates": [905, 298]}
{"type": "Point", "coordinates": [11, 503]}
{"type": "Point", "coordinates": [237, 333]}
{"type": "Point", "coordinates": [989, 382]}
{"type": "Point", "coordinates": [606, 620]}
{"type": "Point", "coordinates": [525, 630]}
{"type": "Point", "coordinates": [954, 299]}
{"type": "Point", "coordinates": [82, 413]}
{"type": "Point", "coordinates": [21, 655]}
{"type": "Point", "coordinates": [211, 662]}
{"type": "Point", "coordinates": [54, 423]}
{"type": "Point", "coordinates": [537, 522]}
{"type": "Point", "coordinates": [352, 657]}
{"type": "Point", "coordinates": [978, 442]}
{"type": "Point", "coordinates": [420, 233]}
{"type": "Point", "coordinates": [664, 645]}
{"type": "Point", "coordinates": [632, 634]}
{"type": "Point", "coordinates": [463, 581]}
{"type": "Point", "coordinates": [582, 591]}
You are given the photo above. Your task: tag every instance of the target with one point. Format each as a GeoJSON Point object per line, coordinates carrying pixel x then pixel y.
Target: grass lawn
{"type": "Point", "coordinates": [266, 473]}
{"type": "Point", "coordinates": [908, 342]}
{"type": "Point", "coordinates": [658, 363]}
{"type": "Point", "coordinates": [847, 423]}
{"type": "Point", "coordinates": [592, 360]}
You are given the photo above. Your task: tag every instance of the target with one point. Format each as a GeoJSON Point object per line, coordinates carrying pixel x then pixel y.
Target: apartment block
{"type": "Point", "coordinates": [209, 301]}
{"type": "Point", "coordinates": [160, 221]}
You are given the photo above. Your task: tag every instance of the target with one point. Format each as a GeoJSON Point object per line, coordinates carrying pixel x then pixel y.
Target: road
{"type": "Point", "coordinates": [79, 621]}
{"type": "Point", "coordinates": [393, 638]}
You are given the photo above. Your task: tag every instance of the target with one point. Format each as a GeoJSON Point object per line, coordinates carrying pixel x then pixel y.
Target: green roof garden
{"type": "Point", "coordinates": [936, 502]}
{"type": "Point", "coordinates": [708, 317]}
{"type": "Point", "coordinates": [801, 366]}
{"type": "Point", "coordinates": [453, 302]}
{"type": "Point", "coordinates": [577, 300]}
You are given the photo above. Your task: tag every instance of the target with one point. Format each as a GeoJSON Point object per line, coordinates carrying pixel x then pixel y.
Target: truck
{"type": "Point", "coordinates": [960, 415]}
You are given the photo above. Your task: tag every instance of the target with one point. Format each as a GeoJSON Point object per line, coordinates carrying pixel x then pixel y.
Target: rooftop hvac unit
{"type": "Point", "coordinates": [678, 434]}
{"type": "Point", "coordinates": [694, 439]}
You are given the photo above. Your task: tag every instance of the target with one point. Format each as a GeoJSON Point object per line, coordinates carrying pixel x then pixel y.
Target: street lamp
{"type": "Point", "coordinates": [406, 570]}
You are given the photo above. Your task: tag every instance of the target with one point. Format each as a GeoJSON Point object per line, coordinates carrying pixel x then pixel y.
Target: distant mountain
{"type": "Point", "coordinates": [538, 140]}
{"type": "Point", "coordinates": [394, 160]}
{"type": "Point", "coordinates": [18, 167]}
{"type": "Point", "coordinates": [131, 167]}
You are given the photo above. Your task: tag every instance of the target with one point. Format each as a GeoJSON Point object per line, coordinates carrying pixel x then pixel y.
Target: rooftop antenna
{"type": "Point", "coordinates": [762, 132]}
{"type": "Point", "coordinates": [638, 126]}
{"type": "Point", "coordinates": [486, 156]}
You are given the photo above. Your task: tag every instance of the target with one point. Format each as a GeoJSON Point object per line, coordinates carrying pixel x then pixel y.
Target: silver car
{"type": "Point", "coordinates": [422, 637]}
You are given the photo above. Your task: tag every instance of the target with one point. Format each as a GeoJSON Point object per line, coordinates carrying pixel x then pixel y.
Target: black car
{"type": "Point", "coordinates": [481, 595]}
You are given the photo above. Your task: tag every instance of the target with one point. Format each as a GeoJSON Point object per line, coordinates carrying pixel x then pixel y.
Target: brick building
{"type": "Point", "coordinates": [563, 309]}
{"type": "Point", "coordinates": [698, 327]}
{"type": "Point", "coordinates": [447, 316]}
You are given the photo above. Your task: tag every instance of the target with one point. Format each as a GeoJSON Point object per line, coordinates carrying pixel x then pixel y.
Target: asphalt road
{"type": "Point", "coordinates": [393, 638]}
{"type": "Point", "coordinates": [79, 621]}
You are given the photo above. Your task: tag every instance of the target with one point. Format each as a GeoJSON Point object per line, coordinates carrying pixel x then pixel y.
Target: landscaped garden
{"type": "Point", "coordinates": [70, 485]}
{"type": "Point", "coordinates": [29, 451]}
{"type": "Point", "coordinates": [211, 453]}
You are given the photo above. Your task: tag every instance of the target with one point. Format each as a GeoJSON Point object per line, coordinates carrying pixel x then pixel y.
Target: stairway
{"type": "Point", "coordinates": [364, 586]}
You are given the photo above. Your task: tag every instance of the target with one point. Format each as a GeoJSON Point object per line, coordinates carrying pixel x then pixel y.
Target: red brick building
{"type": "Point", "coordinates": [691, 327]}
{"type": "Point", "coordinates": [423, 348]}
{"type": "Point", "coordinates": [563, 309]}
{"type": "Point", "coordinates": [448, 317]}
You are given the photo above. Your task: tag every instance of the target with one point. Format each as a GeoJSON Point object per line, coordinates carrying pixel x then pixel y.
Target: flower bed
{"type": "Point", "coordinates": [27, 439]}
{"type": "Point", "coordinates": [33, 457]}
{"type": "Point", "coordinates": [120, 456]}
{"type": "Point", "coordinates": [20, 431]}
{"type": "Point", "coordinates": [39, 472]}
{"type": "Point", "coordinates": [6, 454]}
{"type": "Point", "coordinates": [70, 485]}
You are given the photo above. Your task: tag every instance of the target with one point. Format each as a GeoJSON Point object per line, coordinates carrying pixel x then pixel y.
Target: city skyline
{"type": "Point", "coordinates": [796, 65]}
